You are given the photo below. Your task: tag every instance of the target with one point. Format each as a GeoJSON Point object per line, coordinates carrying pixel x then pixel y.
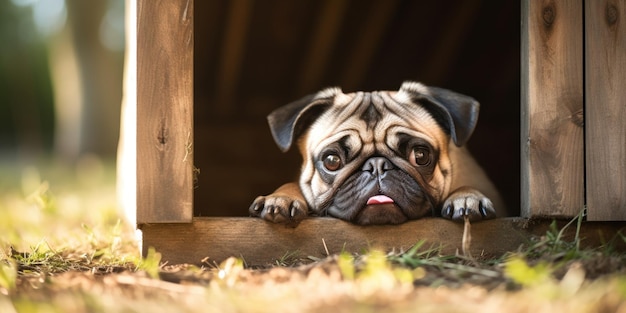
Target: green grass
{"type": "Point", "coordinates": [62, 219]}
{"type": "Point", "coordinates": [66, 207]}
{"type": "Point", "coordinates": [64, 247]}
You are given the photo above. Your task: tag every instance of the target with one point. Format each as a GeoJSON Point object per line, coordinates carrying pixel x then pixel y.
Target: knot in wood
{"type": "Point", "coordinates": [578, 118]}
{"type": "Point", "coordinates": [548, 15]}
{"type": "Point", "coordinates": [611, 14]}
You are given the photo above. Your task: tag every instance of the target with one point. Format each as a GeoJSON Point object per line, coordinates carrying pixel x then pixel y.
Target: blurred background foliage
{"type": "Point", "coordinates": [61, 67]}
{"type": "Point", "coordinates": [61, 64]}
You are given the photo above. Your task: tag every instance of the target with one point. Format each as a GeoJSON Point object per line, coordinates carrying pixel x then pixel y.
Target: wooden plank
{"type": "Point", "coordinates": [232, 54]}
{"type": "Point", "coordinates": [452, 41]}
{"type": "Point", "coordinates": [605, 94]}
{"type": "Point", "coordinates": [164, 111]}
{"type": "Point", "coordinates": [260, 243]}
{"type": "Point", "coordinates": [323, 40]}
{"type": "Point", "coordinates": [379, 15]}
{"type": "Point", "coordinates": [552, 108]}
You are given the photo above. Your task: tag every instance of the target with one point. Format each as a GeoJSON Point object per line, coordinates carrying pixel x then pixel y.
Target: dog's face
{"type": "Point", "coordinates": [376, 157]}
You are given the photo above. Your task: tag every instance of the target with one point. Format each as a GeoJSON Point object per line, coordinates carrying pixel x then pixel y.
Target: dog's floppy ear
{"type": "Point", "coordinates": [455, 112]}
{"type": "Point", "coordinates": [288, 122]}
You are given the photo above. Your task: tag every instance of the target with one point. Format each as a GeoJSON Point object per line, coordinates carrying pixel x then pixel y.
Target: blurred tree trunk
{"type": "Point", "coordinates": [87, 80]}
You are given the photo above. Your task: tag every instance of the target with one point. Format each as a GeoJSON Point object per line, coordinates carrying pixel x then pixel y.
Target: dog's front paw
{"type": "Point", "coordinates": [468, 202]}
{"type": "Point", "coordinates": [279, 209]}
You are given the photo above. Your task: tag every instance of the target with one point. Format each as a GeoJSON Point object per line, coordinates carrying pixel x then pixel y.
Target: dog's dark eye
{"type": "Point", "coordinates": [420, 156]}
{"type": "Point", "coordinates": [332, 162]}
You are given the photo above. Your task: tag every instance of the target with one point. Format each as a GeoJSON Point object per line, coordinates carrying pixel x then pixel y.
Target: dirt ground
{"type": "Point", "coordinates": [597, 284]}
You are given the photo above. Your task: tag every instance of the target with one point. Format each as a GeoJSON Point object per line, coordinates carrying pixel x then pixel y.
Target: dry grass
{"type": "Point", "coordinates": [64, 248]}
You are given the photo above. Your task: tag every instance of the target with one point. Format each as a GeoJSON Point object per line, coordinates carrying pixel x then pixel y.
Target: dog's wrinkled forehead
{"type": "Point", "coordinates": [371, 114]}
{"type": "Point", "coordinates": [372, 117]}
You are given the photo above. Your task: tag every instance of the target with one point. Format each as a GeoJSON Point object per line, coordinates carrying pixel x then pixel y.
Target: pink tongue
{"type": "Point", "coordinates": [380, 199]}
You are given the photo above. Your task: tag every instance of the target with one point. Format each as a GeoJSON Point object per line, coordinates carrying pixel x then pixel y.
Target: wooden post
{"type": "Point", "coordinates": [605, 109]}
{"type": "Point", "coordinates": [552, 108]}
{"type": "Point", "coordinates": [164, 111]}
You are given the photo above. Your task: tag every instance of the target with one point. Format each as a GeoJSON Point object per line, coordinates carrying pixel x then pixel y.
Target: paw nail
{"type": "Point", "coordinates": [482, 209]}
{"type": "Point", "coordinates": [462, 212]}
{"type": "Point", "coordinates": [447, 211]}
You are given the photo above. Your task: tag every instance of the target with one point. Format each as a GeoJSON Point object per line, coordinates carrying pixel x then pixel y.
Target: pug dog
{"type": "Point", "coordinates": [382, 157]}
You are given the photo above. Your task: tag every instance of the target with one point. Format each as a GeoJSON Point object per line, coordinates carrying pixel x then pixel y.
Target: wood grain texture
{"type": "Point", "coordinates": [370, 38]}
{"type": "Point", "coordinates": [552, 108]}
{"type": "Point", "coordinates": [326, 32]}
{"type": "Point", "coordinates": [164, 111]}
{"type": "Point", "coordinates": [260, 243]}
{"type": "Point", "coordinates": [605, 107]}
{"type": "Point", "coordinates": [232, 53]}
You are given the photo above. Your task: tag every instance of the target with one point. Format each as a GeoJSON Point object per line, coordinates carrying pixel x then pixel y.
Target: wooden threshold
{"type": "Point", "coordinates": [259, 242]}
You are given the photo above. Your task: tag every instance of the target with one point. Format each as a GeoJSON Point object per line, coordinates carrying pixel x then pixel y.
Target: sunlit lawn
{"type": "Point", "coordinates": [61, 206]}
{"type": "Point", "coordinates": [64, 247]}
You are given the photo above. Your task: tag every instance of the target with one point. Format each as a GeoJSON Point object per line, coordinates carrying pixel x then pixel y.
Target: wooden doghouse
{"type": "Point", "coordinates": [573, 139]}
